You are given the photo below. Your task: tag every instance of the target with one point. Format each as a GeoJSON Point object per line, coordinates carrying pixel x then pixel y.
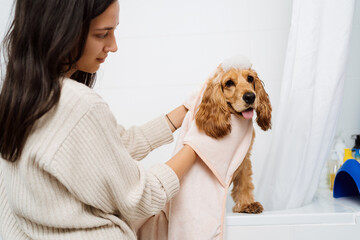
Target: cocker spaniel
{"type": "Point", "coordinates": [235, 89]}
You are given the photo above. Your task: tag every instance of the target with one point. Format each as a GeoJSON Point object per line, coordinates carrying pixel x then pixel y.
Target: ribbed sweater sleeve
{"type": "Point", "coordinates": [140, 141]}
{"type": "Point", "coordinates": [9, 228]}
{"type": "Point", "coordinates": [94, 164]}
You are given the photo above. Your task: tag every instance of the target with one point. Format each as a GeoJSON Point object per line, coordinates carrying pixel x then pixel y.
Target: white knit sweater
{"type": "Point", "coordinates": [77, 177]}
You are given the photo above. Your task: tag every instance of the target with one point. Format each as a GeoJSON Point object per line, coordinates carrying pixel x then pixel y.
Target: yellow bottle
{"type": "Point", "coordinates": [347, 154]}
{"type": "Point", "coordinates": [332, 180]}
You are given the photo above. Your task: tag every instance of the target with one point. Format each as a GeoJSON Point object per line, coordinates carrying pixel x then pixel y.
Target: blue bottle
{"type": "Point", "coordinates": [357, 154]}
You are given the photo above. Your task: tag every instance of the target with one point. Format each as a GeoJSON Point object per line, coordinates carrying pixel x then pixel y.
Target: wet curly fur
{"type": "Point", "coordinates": [223, 96]}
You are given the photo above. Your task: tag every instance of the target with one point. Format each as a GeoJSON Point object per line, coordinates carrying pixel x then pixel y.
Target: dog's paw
{"type": "Point", "coordinates": [254, 207]}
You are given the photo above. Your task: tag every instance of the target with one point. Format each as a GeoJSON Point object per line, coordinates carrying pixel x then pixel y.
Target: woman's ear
{"type": "Point", "coordinates": [263, 109]}
{"type": "Point", "coordinates": [213, 116]}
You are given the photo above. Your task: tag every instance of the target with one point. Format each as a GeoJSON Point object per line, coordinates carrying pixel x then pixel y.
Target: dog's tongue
{"type": "Point", "coordinates": [248, 114]}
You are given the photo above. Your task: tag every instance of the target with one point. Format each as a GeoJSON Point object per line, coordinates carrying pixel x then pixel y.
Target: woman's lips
{"type": "Point", "coordinates": [100, 60]}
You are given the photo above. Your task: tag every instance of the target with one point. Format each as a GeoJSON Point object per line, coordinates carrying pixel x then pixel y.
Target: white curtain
{"type": "Point", "coordinates": [311, 94]}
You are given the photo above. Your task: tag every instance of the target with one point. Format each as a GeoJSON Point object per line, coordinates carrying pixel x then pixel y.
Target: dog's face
{"type": "Point", "coordinates": [236, 91]}
{"type": "Point", "coordinates": [238, 87]}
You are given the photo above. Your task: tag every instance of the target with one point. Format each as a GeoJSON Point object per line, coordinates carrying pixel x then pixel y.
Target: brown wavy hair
{"type": "Point", "coordinates": [45, 39]}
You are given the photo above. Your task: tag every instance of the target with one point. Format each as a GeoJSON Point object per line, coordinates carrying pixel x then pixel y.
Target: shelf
{"type": "Point", "coordinates": [323, 210]}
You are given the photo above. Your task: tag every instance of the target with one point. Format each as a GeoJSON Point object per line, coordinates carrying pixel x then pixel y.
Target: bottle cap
{"type": "Point", "coordinates": [357, 140]}
{"type": "Point", "coordinates": [357, 152]}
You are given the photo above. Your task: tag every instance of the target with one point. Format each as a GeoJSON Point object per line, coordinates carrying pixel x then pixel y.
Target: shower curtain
{"type": "Point", "coordinates": [311, 94]}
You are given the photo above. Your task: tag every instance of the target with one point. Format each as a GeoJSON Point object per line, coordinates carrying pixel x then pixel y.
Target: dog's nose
{"type": "Point", "coordinates": [249, 97]}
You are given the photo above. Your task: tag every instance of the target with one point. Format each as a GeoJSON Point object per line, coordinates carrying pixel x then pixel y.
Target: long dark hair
{"type": "Point", "coordinates": [45, 39]}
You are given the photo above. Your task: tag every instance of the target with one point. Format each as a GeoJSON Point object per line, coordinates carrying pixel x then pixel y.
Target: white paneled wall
{"type": "Point", "coordinates": [169, 48]}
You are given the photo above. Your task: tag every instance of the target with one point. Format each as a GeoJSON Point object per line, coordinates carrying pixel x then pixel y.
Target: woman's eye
{"type": "Point", "coordinates": [103, 35]}
{"type": "Point", "coordinates": [250, 79]}
{"type": "Point", "coordinates": [229, 83]}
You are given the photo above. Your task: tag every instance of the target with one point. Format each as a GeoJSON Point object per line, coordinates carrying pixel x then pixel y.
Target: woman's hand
{"type": "Point", "coordinates": [181, 162]}
{"type": "Point", "coordinates": [176, 117]}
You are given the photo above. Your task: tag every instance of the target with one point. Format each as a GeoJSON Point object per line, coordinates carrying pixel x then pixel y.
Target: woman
{"type": "Point", "coordinates": [67, 169]}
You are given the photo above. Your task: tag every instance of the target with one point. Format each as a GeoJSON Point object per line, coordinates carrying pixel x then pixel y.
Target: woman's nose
{"type": "Point", "coordinates": [111, 46]}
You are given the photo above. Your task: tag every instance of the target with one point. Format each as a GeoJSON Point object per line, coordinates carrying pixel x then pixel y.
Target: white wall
{"type": "Point", "coordinates": [5, 10]}
{"type": "Point", "coordinates": [168, 48]}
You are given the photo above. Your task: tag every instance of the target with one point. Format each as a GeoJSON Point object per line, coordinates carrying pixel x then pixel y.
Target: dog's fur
{"type": "Point", "coordinates": [223, 97]}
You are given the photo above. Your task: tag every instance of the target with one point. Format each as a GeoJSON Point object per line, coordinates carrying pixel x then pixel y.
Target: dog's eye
{"type": "Point", "coordinates": [229, 83]}
{"type": "Point", "coordinates": [250, 79]}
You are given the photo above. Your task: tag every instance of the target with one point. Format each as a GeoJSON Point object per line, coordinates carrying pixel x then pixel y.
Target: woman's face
{"type": "Point", "coordinates": [100, 40]}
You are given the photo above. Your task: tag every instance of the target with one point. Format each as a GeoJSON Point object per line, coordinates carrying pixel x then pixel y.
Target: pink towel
{"type": "Point", "coordinates": [198, 210]}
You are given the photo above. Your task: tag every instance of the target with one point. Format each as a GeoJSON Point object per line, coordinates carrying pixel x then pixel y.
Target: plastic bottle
{"type": "Point", "coordinates": [357, 154]}
{"type": "Point", "coordinates": [347, 154]}
{"type": "Point", "coordinates": [334, 165]}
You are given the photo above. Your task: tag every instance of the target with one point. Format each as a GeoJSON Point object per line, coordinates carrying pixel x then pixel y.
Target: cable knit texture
{"type": "Point", "coordinates": [78, 177]}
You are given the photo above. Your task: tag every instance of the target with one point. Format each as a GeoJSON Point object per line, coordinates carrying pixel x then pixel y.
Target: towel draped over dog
{"type": "Point", "coordinates": [197, 212]}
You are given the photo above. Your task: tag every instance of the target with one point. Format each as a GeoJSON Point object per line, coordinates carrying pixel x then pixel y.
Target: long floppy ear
{"type": "Point", "coordinates": [263, 109]}
{"type": "Point", "coordinates": [213, 116]}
